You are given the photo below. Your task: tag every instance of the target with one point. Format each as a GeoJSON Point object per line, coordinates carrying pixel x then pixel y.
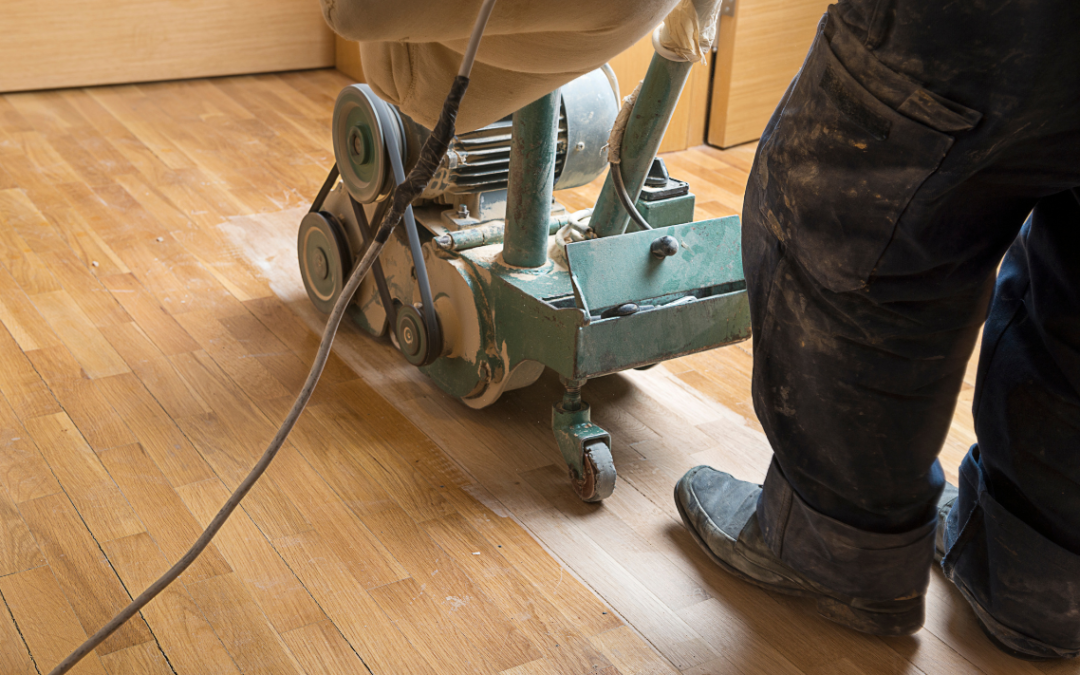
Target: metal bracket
{"type": "Point", "coordinates": [727, 7]}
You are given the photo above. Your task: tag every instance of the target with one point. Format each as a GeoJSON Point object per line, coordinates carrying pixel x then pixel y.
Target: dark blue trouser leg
{"type": "Point", "coordinates": [1013, 538]}
{"type": "Point", "coordinates": [889, 184]}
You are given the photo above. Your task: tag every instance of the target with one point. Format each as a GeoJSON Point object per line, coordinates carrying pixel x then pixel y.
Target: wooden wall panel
{"type": "Point", "coordinates": [347, 55]}
{"type": "Point", "coordinates": [759, 51]}
{"type": "Point", "coordinates": [74, 43]}
{"type": "Point", "coordinates": [687, 126]}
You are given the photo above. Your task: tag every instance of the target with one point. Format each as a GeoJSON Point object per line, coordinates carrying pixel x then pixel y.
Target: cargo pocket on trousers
{"type": "Point", "coordinates": [841, 166]}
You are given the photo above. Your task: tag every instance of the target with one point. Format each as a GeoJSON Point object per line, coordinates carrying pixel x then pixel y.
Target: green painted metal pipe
{"type": "Point", "coordinates": [652, 112]}
{"type": "Point", "coordinates": [532, 177]}
{"type": "Point", "coordinates": [482, 235]}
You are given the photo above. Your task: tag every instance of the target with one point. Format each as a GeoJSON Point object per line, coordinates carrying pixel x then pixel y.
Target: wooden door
{"type": "Point", "coordinates": [759, 50]}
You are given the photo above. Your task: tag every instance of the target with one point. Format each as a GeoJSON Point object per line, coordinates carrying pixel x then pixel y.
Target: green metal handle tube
{"type": "Point", "coordinates": [652, 112]}
{"type": "Point", "coordinates": [532, 178]}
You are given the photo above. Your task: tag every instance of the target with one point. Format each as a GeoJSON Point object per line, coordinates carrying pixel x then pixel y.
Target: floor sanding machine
{"type": "Point", "coordinates": [490, 280]}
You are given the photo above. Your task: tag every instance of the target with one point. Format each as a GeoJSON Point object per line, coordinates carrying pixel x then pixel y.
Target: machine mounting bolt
{"type": "Point", "coordinates": [664, 247]}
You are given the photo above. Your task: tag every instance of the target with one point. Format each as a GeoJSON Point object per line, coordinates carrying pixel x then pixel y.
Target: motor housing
{"type": "Point", "coordinates": [473, 175]}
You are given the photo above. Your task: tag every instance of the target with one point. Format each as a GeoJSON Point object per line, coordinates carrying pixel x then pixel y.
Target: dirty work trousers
{"type": "Point", "coordinates": [922, 145]}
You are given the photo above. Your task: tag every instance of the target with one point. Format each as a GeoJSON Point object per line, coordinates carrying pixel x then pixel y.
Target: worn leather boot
{"type": "Point", "coordinates": [721, 514]}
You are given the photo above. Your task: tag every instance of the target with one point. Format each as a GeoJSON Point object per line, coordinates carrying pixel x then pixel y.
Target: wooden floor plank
{"type": "Point", "coordinates": [86, 578]}
{"type": "Point", "coordinates": [21, 318]}
{"type": "Point", "coordinates": [80, 398]}
{"type": "Point", "coordinates": [161, 510]}
{"type": "Point", "coordinates": [14, 654]}
{"type": "Point", "coordinates": [153, 314]}
{"type": "Point", "coordinates": [683, 647]}
{"type": "Point", "coordinates": [630, 654]}
{"type": "Point", "coordinates": [321, 650]}
{"type": "Point", "coordinates": [418, 615]}
{"type": "Point", "coordinates": [280, 595]}
{"type": "Point", "coordinates": [243, 629]}
{"type": "Point", "coordinates": [24, 473]}
{"type": "Point", "coordinates": [85, 341]}
{"type": "Point", "coordinates": [20, 384]}
{"type": "Point", "coordinates": [579, 604]}
{"type": "Point", "coordinates": [180, 628]}
{"type": "Point", "coordinates": [86, 482]}
{"type": "Point", "coordinates": [158, 433]}
{"type": "Point", "coordinates": [18, 549]}
{"type": "Point", "coordinates": [144, 659]}
{"type": "Point", "coordinates": [370, 633]}
{"type": "Point", "coordinates": [45, 620]}
{"type": "Point", "coordinates": [500, 643]}
{"type": "Point", "coordinates": [155, 322]}
{"type": "Point", "coordinates": [564, 649]}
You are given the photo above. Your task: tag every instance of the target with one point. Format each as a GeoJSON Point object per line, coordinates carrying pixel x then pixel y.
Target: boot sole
{"type": "Point", "coordinates": [905, 619]}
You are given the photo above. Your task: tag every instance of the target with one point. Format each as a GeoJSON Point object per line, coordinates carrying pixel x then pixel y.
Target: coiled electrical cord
{"type": "Point", "coordinates": [432, 153]}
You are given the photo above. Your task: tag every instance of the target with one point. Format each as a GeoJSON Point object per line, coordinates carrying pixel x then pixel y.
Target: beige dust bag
{"type": "Point", "coordinates": [411, 49]}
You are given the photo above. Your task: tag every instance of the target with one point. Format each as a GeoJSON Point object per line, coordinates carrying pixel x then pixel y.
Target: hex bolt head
{"type": "Point", "coordinates": [664, 247]}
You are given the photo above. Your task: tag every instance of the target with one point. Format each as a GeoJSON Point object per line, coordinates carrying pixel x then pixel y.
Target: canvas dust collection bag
{"type": "Point", "coordinates": [411, 49]}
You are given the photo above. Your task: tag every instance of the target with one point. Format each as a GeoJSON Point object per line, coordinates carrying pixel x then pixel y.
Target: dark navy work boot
{"type": "Point", "coordinates": [721, 514]}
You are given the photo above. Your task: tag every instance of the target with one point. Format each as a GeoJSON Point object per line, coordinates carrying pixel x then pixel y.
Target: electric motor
{"type": "Point", "coordinates": [477, 161]}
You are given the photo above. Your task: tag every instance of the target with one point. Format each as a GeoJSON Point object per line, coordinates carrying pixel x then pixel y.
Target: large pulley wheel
{"type": "Point", "coordinates": [598, 480]}
{"type": "Point", "coordinates": [359, 143]}
{"type": "Point", "coordinates": [325, 260]}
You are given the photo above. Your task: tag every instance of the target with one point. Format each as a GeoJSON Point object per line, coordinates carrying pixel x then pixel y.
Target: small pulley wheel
{"type": "Point", "coordinates": [359, 144]}
{"type": "Point", "coordinates": [598, 481]}
{"type": "Point", "coordinates": [414, 336]}
{"type": "Point", "coordinates": [325, 260]}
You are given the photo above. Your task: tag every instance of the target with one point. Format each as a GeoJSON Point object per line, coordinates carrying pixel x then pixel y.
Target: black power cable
{"type": "Point", "coordinates": [404, 194]}
{"type": "Point", "coordinates": [625, 199]}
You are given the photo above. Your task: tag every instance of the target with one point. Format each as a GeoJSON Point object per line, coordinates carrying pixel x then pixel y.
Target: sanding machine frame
{"type": "Point", "coordinates": [480, 297]}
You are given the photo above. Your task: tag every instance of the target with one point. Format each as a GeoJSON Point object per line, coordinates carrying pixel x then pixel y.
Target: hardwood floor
{"type": "Point", "coordinates": [154, 335]}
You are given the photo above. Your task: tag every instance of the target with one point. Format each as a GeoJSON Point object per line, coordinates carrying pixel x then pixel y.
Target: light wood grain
{"type": "Point", "coordinates": [321, 650]}
{"type": "Point", "coordinates": [88, 581]}
{"type": "Point", "coordinates": [398, 530]}
{"type": "Point", "coordinates": [144, 659]}
{"type": "Point", "coordinates": [14, 654]}
{"type": "Point", "coordinates": [758, 52]}
{"type": "Point", "coordinates": [178, 624]}
{"type": "Point", "coordinates": [85, 481]}
{"type": "Point", "coordinates": [18, 550]}
{"type": "Point", "coordinates": [80, 44]}
{"type": "Point", "coordinates": [47, 624]}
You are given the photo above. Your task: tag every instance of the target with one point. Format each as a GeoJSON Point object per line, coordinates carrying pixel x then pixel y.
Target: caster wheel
{"type": "Point", "coordinates": [599, 480]}
{"type": "Point", "coordinates": [325, 260]}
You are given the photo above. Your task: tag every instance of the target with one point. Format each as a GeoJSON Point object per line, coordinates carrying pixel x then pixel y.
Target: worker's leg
{"type": "Point", "coordinates": [1013, 537]}
{"type": "Point", "coordinates": [869, 272]}
{"type": "Point", "coordinates": [875, 216]}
